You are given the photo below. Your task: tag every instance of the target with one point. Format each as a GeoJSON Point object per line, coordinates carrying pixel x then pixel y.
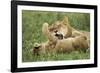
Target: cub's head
{"type": "Point", "coordinates": [54, 29]}
{"type": "Point", "coordinates": [61, 28]}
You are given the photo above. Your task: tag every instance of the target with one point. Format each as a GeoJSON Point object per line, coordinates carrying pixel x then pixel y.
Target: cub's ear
{"type": "Point", "coordinates": [65, 20]}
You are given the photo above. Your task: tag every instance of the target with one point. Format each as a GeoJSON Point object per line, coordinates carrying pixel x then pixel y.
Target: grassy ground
{"type": "Point", "coordinates": [31, 32]}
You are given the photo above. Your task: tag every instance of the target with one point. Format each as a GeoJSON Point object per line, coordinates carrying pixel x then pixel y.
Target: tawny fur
{"type": "Point", "coordinates": [71, 44]}
{"type": "Point", "coordinates": [73, 39]}
{"type": "Point", "coordinates": [44, 48]}
{"type": "Point", "coordinates": [67, 44]}
{"type": "Point", "coordinates": [48, 33]}
{"type": "Point", "coordinates": [67, 30]}
{"type": "Point", "coordinates": [63, 27]}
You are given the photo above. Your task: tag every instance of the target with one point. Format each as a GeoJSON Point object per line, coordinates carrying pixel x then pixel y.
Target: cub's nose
{"type": "Point", "coordinates": [59, 36]}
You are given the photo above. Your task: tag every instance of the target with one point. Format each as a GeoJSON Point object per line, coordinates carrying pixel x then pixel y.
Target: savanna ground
{"type": "Point", "coordinates": [32, 22]}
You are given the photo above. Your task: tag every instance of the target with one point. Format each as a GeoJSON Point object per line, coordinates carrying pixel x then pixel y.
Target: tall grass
{"type": "Point", "coordinates": [31, 32]}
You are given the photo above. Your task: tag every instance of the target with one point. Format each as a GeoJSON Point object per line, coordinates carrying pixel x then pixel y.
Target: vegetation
{"type": "Point", "coordinates": [31, 32]}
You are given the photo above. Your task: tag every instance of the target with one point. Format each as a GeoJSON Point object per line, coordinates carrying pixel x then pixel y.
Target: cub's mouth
{"type": "Point", "coordinates": [59, 35]}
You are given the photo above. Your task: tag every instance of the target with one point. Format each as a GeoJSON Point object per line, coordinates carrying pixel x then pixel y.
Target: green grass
{"type": "Point", "coordinates": [31, 32]}
{"type": "Point", "coordinates": [68, 56]}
